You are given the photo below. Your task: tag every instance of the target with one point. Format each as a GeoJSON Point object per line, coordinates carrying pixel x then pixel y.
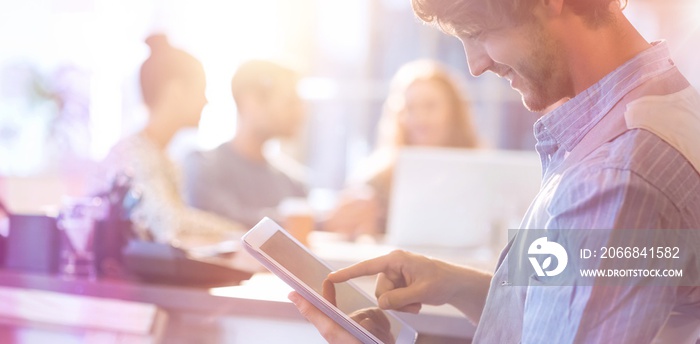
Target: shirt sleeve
{"type": "Point", "coordinates": [613, 199]}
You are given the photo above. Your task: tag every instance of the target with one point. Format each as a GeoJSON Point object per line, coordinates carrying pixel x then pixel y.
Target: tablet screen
{"type": "Point", "coordinates": [348, 299]}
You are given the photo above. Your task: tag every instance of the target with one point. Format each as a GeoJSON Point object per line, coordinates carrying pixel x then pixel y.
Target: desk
{"type": "Point", "coordinates": [194, 315]}
{"type": "Point", "coordinates": [247, 313]}
{"type": "Point", "coordinates": [229, 315]}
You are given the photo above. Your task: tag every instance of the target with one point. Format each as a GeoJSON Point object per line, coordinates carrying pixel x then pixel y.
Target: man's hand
{"type": "Point", "coordinates": [329, 329]}
{"type": "Point", "coordinates": [372, 319]}
{"type": "Point", "coordinates": [406, 281]}
{"type": "Point", "coordinates": [375, 321]}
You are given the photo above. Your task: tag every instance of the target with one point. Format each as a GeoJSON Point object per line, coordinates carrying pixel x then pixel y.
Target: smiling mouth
{"type": "Point", "coordinates": [509, 75]}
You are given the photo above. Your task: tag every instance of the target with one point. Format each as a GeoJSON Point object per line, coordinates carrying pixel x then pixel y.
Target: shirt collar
{"type": "Point", "coordinates": [566, 125]}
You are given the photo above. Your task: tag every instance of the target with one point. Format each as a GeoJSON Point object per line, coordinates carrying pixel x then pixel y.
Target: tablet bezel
{"type": "Point", "coordinates": [263, 231]}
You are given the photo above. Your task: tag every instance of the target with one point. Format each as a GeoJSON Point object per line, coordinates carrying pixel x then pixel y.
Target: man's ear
{"type": "Point", "coordinates": [251, 101]}
{"type": "Point", "coordinates": [248, 102]}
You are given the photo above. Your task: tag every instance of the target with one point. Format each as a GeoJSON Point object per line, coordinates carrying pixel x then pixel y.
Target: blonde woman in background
{"type": "Point", "coordinates": [425, 107]}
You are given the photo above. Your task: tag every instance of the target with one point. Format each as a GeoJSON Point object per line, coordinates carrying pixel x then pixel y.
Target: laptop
{"type": "Point", "coordinates": [446, 197]}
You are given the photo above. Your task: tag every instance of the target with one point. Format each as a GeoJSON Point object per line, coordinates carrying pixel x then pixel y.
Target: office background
{"type": "Point", "coordinates": [69, 73]}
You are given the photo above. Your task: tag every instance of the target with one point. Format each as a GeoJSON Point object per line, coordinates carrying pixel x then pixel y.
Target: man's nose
{"type": "Point", "coordinates": [478, 59]}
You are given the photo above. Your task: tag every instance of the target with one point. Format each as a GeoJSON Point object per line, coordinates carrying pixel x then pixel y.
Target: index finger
{"type": "Point", "coordinates": [366, 268]}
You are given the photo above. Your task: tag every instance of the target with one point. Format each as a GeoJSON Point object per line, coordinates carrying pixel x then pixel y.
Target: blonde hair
{"type": "Point", "coordinates": [392, 134]}
{"type": "Point", "coordinates": [377, 171]}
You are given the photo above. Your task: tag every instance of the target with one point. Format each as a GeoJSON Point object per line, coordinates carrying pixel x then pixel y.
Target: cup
{"type": "Point", "coordinates": [32, 244]}
{"type": "Point", "coordinates": [297, 218]}
{"type": "Point", "coordinates": [76, 221]}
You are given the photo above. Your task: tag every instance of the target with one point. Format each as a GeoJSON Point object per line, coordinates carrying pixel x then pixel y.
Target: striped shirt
{"type": "Point", "coordinates": [635, 181]}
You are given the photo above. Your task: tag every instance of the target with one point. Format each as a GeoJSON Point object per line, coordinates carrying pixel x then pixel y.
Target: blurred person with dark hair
{"type": "Point", "coordinates": [425, 107]}
{"type": "Point", "coordinates": [236, 180]}
{"type": "Point", "coordinates": [618, 139]}
{"type": "Point", "coordinates": [173, 85]}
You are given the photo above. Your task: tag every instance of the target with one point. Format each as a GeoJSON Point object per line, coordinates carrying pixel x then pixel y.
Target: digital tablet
{"type": "Point", "coordinates": [343, 302]}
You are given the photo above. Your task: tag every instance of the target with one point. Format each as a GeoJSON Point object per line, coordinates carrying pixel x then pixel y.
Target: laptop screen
{"type": "Point", "coordinates": [460, 197]}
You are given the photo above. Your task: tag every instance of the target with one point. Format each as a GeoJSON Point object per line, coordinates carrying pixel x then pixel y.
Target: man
{"type": "Point", "coordinates": [235, 180]}
{"type": "Point", "coordinates": [619, 151]}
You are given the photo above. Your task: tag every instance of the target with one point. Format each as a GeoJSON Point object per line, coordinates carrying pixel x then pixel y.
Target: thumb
{"type": "Point", "coordinates": [319, 319]}
{"type": "Point", "coordinates": [309, 311]}
{"type": "Point", "coordinates": [327, 327]}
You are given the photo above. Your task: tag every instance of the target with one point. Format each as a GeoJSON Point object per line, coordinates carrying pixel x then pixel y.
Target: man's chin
{"type": "Point", "coordinates": [555, 105]}
{"type": "Point", "coordinates": [539, 105]}
{"type": "Point", "coordinates": [533, 106]}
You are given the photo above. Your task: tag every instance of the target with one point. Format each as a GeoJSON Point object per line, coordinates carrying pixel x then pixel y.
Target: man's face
{"type": "Point", "coordinates": [279, 113]}
{"type": "Point", "coordinates": [528, 56]}
{"type": "Point", "coordinates": [284, 112]}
